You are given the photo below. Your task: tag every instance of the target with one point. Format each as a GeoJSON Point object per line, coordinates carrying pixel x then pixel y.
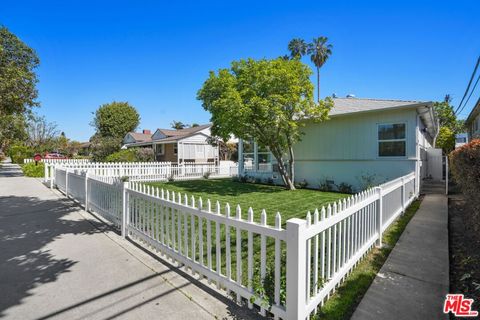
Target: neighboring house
{"type": "Point", "coordinates": [365, 141]}
{"type": "Point", "coordinates": [138, 137]}
{"type": "Point", "coordinates": [185, 145]}
{"type": "Point", "coordinates": [473, 122]}
{"type": "Point", "coordinates": [461, 139]}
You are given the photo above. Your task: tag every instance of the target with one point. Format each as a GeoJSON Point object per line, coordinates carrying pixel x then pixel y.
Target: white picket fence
{"type": "Point", "coordinates": [222, 245]}
{"type": "Point", "coordinates": [146, 171]}
{"type": "Point", "coordinates": [62, 161]}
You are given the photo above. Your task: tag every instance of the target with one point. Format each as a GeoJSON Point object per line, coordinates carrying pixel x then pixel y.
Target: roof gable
{"type": "Point", "coordinates": [161, 134]}
{"type": "Point", "coordinates": [132, 137]}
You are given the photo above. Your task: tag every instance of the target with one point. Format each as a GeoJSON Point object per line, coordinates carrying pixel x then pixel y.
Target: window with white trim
{"type": "Point", "coordinates": [175, 148]}
{"type": "Point", "coordinates": [392, 140]}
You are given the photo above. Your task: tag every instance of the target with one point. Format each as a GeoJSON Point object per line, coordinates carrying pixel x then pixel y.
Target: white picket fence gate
{"type": "Point", "coordinates": [145, 171]}
{"type": "Point", "coordinates": [219, 243]}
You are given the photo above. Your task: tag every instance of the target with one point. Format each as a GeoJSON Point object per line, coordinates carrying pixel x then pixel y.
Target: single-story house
{"type": "Point", "coordinates": [178, 146]}
{"type": "Point", "coordinates": [473, 122]}
{"type": "Point", "coordinates": [365, 141]}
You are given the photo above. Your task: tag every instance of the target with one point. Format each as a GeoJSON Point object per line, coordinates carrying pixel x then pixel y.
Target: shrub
{"type": "Point", "coordinates": [465, 168]}
{"type": "Point", "coordinates": [269, 181]}
{"type": "Point", "coordinates": [127, 155]}
{"type": "Point", "coordinates": [368, 180]}
{"type": "Point", "coordinates": [345, 188]}
{"type": "Point", "coordinates": [32, 170]}
{"type": "Point", "coordinates": [144, 154]}
{"type": "Point", "coordinates": [326, 185]}
{"type": "Point", "coordinates": [18, 152]}
{"type": "Point", "coordinates": [302, 184]}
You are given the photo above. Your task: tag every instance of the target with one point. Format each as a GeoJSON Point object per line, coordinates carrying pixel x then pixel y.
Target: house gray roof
{"type": "Point", "coordinates": [183, 132]}
{"type": "Point", "coordinates": [141, 137]}
{"type": "Point", "coordinates": [353, 105]}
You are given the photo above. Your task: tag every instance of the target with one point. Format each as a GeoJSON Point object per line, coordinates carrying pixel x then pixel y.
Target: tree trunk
{"type": "Point", "coordinates": [291, 163]}
{"type": "Point", "coordinates": [318, 84]}
{"type": "Point", "coordinates": [287, 181]}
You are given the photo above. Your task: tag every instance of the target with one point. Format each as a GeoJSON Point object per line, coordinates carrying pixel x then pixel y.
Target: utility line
{"type": "Point", "coordinates": [469, 96]}
{"type": "Point", "coordinates": [469, 83]}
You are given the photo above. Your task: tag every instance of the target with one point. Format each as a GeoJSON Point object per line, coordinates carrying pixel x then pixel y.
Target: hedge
{"type": "Point", "coordinates": [32, 170]}
{"type": "Point", "coordinates": [19, 152]}
{"type": "Point", "coordinates": [465, 168]}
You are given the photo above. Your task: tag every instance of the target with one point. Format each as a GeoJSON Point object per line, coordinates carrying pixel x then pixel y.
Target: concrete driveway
{"type": "Point", "coordinates": [59, 262]}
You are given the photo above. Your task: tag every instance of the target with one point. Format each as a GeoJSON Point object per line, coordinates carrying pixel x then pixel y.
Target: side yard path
{"type": "Point", "coordinates": [413, 282]}
{"type": "Point", "coordinates": [59, 262]}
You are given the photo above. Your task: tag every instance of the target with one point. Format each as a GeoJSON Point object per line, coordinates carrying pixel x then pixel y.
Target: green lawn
{"type": "Point", "coordinates": [273, 199]}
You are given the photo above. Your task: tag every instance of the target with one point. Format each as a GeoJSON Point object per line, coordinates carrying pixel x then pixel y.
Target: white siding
{"type": "Point", "coordinates": [345, 148]}
{"type": "Point", "coordinates": [196, 147]}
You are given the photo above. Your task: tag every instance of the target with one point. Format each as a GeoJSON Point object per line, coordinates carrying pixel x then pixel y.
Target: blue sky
{"type": "Point", "coordinates": [156, 55]}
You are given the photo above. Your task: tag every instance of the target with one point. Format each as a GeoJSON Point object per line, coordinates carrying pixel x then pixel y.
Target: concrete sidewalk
{"type": "Point", "coordinates": [58, 262]}
{"type": "Point", "coordinates": [414, 280]}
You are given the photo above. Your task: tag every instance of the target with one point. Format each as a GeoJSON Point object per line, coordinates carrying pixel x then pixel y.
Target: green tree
{"type": "Point", "coordinates": [319, 52]}
{"type": "Point", "coordinates": [178, 125]}
{"type": "Point", "coordinates": [266, 100]}
{"type": "Point", "coordinates": [12, 129]}
{"type": "Point", "coordinates": [445, 140]}
{"type": "Point", "coordinates": [445, 114]}
{"type": "Point", "coordinates": [298, 48]}
{"type": "Point", "coordinates": [102, 147]}
{"type": "Point", "coordinates": [115, 120]}
{"type": "Point", "coordinates": [18, 81]}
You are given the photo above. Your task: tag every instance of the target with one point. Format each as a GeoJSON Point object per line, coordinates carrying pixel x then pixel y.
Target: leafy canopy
{"type": "Point", "coordinates": [116, 119]}
{"type": "Point", "coordinates": [445, 139]}
{"type": "Point", "coordinates": [265, 100]}
{"type": "Point", "coordinates": [17, 76]}
{"type": "Point", "coordinates": [261, 99]}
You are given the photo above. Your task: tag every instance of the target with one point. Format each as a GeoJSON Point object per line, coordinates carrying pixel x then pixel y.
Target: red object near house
{"type": "Point", "coordinates": [37, 157]}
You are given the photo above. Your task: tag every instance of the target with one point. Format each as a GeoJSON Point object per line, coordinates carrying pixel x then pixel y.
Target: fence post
{"type": "Point", "coordinates": [45, 166]}
{"type": "Point", "coordinates": [446, 175]}
{"type": "Point", "coordinates": [378, 190]}
{"type": "Point", "coordinates": [296, 269]}
{"type": "Point", "coordinates": [66, 182]}
{"type": "Point", "coordinates": [86, 190]}
{"type": "Point", "coordinates": [403, 195]}
{"type": "Point", "coordinates": [125, 211]}
{"type": "Point", "coordinates": [52, 175]}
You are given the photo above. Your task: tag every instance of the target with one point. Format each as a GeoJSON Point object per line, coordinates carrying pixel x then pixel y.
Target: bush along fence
{"type": "Point", "coordinates": [146, 171]}
{"type": "Point", "coordinates": [288, 271]}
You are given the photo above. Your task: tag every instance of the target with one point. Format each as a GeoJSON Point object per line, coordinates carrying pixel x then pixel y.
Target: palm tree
{"type": "Point", "coordinates": [177, 125]}
{"type": "Point", "coordinates": [319, 52]}
{"type": "Point", "coordinates": [298, 48]}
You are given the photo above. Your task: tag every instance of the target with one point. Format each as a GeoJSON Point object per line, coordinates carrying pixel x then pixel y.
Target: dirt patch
{"type": "Point", "coordinates": [464, 249]}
